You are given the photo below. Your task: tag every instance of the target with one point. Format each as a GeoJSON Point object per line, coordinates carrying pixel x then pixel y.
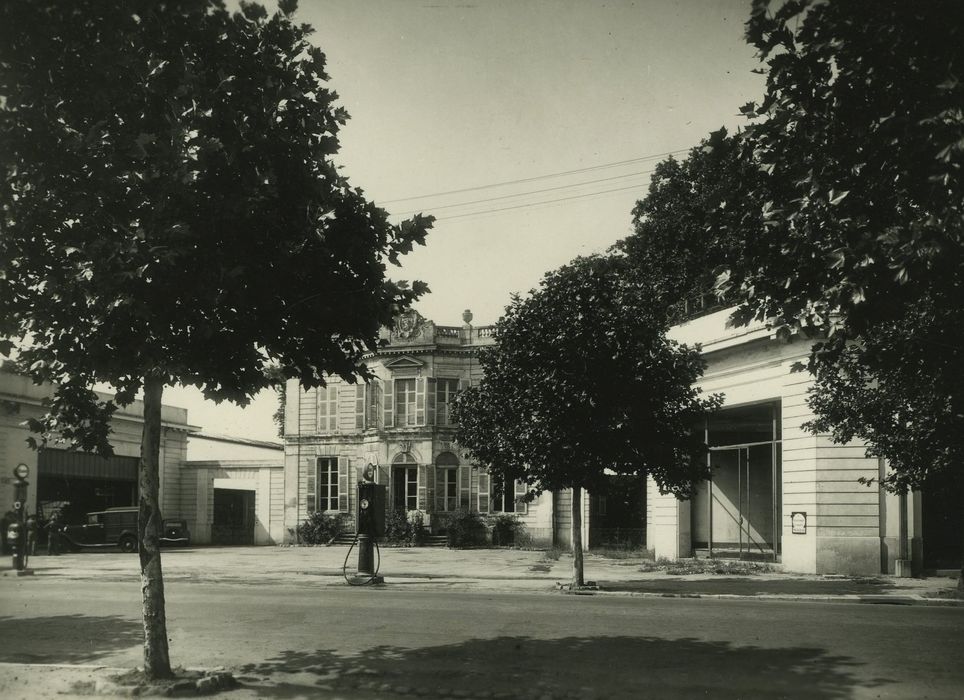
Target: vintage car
{"type": "Point", "coordinates": [117, 527]}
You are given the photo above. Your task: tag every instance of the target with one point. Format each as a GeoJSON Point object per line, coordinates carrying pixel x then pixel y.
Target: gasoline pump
{"type": "Point", "coordinates": [17, 530]}
{"type": "Point", "coordinates": [371, 525]}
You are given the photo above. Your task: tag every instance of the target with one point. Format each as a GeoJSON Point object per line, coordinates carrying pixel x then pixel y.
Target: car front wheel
{"type": "Point", "coordinates": [128, 543]}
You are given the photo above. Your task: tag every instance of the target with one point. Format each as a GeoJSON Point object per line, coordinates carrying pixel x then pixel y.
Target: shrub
{"type": "Point", "coordinates": [321, 527]}
{"type": "Point", "coordinates": [405, 529]}
{"type": "Point", "coordinates": [506, 530]}
{"type": "Point", "coordinates": [464, 528]}
{"type": "Point", "coordinates": [398, 530]}
{"type": "Point", "coordinates": [416, 519]}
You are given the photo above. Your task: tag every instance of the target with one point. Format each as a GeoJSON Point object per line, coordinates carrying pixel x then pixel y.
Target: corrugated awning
{"type": "Point", "coordinates": [65, 463]}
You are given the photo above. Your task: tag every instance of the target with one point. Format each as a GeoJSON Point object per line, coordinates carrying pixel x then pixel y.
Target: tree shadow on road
{"type": "Point", "coordinates": [66, 639]}
{"type": "Point", "coordinates": [571, 667]}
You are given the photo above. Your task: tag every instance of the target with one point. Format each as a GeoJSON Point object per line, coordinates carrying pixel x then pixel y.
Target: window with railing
{"type": "Point", "coordinates": [696, 306]}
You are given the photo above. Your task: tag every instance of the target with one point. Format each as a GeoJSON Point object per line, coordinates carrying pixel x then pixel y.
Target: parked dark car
{"type": "Point", "coordinates": [117, 527]}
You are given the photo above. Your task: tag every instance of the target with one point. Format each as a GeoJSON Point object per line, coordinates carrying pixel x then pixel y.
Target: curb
{"type": "Point", "coordinates": [864, 599]}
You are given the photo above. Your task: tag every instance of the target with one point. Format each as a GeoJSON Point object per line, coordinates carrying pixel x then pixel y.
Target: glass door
{"type": "Point", "coordinates": [405, 488]}
{"type": "Point", "coordinates": [740, 501]}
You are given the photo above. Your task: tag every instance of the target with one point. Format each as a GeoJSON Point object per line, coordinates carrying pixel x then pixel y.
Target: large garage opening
{"type": "Point", "coordinates": [233, 517]}
{"type": "Point", "coordinates": [942, 525]}
{"type": "Point", "coordinates": [736, 514]}
{"type": "Point", "coordinates": [78, 483]}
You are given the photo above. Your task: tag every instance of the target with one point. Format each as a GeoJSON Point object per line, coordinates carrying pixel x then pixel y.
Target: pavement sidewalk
{"type": "Point", "coordinates": [483, 570]}
{"type": "Point", "coordinates": [490, 570]}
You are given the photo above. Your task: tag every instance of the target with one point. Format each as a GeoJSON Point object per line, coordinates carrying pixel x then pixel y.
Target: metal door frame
{"type": "Point", "coordinates": [743, 459]}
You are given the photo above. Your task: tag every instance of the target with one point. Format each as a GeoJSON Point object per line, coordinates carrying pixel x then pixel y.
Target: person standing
{"type": "Point", "coordinates": [31, 535]}
{"type": "Point", "coordinates": [9, 517]}
{"type": "Point", "coordinates": [53, 534]}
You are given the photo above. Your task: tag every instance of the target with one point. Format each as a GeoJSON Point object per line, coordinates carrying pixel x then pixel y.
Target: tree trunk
{"type": "Point", "coordinates": [157, 661]}
{"type": "Point", "coordinates": [577, 574]}
{"type": "Point", "coordinates": [960, 580]}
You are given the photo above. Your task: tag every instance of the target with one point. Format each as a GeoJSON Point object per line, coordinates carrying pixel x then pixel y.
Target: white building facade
{"type": "Point", "coordinates": [779, 492]}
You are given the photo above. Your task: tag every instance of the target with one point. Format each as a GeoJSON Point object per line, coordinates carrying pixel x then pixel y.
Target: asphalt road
{"type": "Point", "coordinates": [403, 641]}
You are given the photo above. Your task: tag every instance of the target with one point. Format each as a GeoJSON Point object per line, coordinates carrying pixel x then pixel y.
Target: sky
{"type": "Point", "coordinates": [529, 128]}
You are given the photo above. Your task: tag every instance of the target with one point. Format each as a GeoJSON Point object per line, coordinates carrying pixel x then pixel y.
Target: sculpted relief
{"type": "Point", "coordinates": [408, 325]}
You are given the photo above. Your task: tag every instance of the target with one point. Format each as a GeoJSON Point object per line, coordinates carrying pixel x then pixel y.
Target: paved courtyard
{"type": "Point", "coordinates": [474, 569]}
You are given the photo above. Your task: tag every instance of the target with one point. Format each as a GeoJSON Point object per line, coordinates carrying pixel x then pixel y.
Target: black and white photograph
{"type": "Point", "coordinates": [482, 349]}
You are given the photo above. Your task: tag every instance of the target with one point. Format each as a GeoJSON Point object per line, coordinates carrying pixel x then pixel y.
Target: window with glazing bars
{"type": "Point", "coordinates": [445, 392]}
{"type": "Point", "coordinates": [404, 402]}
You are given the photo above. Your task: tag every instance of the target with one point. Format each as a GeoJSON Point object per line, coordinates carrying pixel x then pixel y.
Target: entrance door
{"type": "Point", "coordinates": [736, 513]}
{"type": "Point", "coordinates": [233, 517]}
{"type": "Point", "coordinates": [405, 488]}
{"type": "Point", "coordinates": [742, 498]}
{"type": "Point", "coordinates": [942, 524]}
{"type": "Point", "coordinates": [562, 518]}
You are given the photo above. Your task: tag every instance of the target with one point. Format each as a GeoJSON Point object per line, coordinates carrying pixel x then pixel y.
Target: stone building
{"type": "Point", "coordinates": [88, 482]}
{"type": "Point", "coordinates": [236, 500]}
{"type": "Point", "coordinates": [401, 422]}
{"type": "Point", "coordinates": [779, 492]}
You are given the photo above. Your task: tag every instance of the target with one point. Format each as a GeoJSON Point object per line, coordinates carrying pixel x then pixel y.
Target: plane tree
{"type": "Point", "coordinates": [582, 383]}
{"type": "Point", "coordinates": [172, 214]}
{"type": "Point", "coordinates": [860, 141]}
{"type": "Point", "coordinates": [691, 223]}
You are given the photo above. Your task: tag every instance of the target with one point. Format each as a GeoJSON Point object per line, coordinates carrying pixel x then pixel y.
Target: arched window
{"type": "Point", "coordinates": [404, 482]}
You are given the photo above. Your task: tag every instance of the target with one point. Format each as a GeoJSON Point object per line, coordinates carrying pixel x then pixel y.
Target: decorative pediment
{"type": "Point", "coordinates": [404, 362]}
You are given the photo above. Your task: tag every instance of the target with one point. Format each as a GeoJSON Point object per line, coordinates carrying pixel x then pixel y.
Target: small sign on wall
{"type": "Point", "coordinates": [798, 522]}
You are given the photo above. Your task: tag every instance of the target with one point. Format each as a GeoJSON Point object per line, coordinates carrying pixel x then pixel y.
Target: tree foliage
{"type": "Point", "coordinates": [899, 389]}
{"type": "Point", "coordinates": [171, 205]}
{"type": "Point", "coordinates": [582, 381]}
{"type": "Point", "coordinates": [691, 221]}
{"type": "Point", "coordinates": [860, 139]}
{"type": "Point", "coordinates": [861, 136]}
{"type": "Point", "coordinates": [172, 214]}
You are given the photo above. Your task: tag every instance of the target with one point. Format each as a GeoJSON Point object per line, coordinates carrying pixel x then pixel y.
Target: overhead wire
{"type": "Point", "coordinates": [535, 178]}
{"type": "Point", "coordinates": [534, 204]}
{"type": "Point", "coordinates": [523, 194]}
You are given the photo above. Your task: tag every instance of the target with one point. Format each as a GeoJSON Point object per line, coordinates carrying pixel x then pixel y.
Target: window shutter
{"type": "Point", "coordinates": [310, 495]}
{"type": "Point", "coordinates": [322, 394]}
{"type": "Point", "coordinates": [422, 487]}
{"type": "Point", "coordinates": [430, 402]}
{"type": "Point", "coordinates": [521, 507]}
{"type": "Point", "coordinates": [388, 396]}
{"type": "Point", "coordinates": [374, 397]}
{"type": "Point", "coordinates": [332, 408]}
{"type": "Point", "coordinates": [419, 401]}
{"type": "Point", "coordinates": [327, 408]}
{"type": "Point", "coordinates": [436, 489]}
{"type": "Point", "coordinates": [360, 406]}
{"type": "Point", "coordinates": [343, 484]}
{"type": "Point", "coordinates": [483, 492]}
{"type": "Point", "coordinates": [464, 481]}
